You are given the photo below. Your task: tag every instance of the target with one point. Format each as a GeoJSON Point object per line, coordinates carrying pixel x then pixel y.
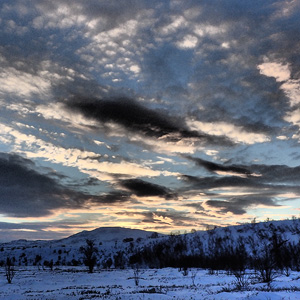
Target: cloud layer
{"type": "Point", "coordinates": [147, 114]}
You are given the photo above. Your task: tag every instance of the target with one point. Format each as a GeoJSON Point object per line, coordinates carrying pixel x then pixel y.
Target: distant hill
{"type": "Point", "coordinates": [109, 241]}
{"type": "Point", "coordinates": [107, 234]}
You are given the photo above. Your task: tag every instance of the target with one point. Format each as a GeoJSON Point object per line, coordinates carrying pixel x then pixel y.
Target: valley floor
{"type": "Point", "coordinates": [75, 283]}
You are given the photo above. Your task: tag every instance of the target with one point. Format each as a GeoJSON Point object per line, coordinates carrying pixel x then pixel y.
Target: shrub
{"type": "Point", "coordinates": [89, 255]}
{"type": "Point", "coordinates": [242, 280]}
{"type": "Point", "coordinates": [265, 265]}
{"type": "Point", "coordinates": [9, 270]}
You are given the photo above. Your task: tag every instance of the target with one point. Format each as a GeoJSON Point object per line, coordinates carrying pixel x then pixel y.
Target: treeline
{"type": "Point", "coordinates": [267, 254]}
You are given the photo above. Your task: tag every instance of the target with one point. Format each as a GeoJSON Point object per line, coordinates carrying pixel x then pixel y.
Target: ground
{"type": "Point", "coordinates": [75, 283]}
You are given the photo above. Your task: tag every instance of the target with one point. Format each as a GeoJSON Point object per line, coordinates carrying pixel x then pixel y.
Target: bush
{"type": "Point", "coordinates": [265, 265]}
{"type": "Point", "coordinates": [242, 280]}
{"type": "Point", "coordinates": [9, 270]}
{"type": "Point", "coordinates": [89, 255]}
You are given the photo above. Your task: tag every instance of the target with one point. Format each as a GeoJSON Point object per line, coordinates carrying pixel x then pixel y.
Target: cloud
{"type": "Point", "coordinates": [277, 70]}
{"type": "Point", "coordinates": [252, 187]}
{"type": "Point", "coordinates": [290, 87]}
{"type": "Point", "coordinates": [131, 115]}
{"type": "Point", "coordinates": [166, 218]}
{"type": "Point", "coordinates": [111, 198]}
{"type": "Point", "coordinates": [268, 176]}
{"type": "Point", "coordinates": [212, 182]}
{"type": "Point", "coordinates": [218, 168]}
{"type": "Point", "coordinates": [57, 111]}
{"type": "Point", "coordinates": [167, 145]}
{"type": "Point", "coordinates": [189, 42]}
{"type": "Point", "coordinates": [143, 188]}
{"type": "Point", "coordinates": [156, 79]}
{"type": "Point", "coordinates": [87, 162]}
{"type": "Point", "coordinates": [197, 206]}
{"type": "Point", "coordinates": [139, 119]}
{"type": "Point", "coordinates": [25, 192]}
{"type": "Point", "coordinates": [237, 134]}
{"type": "Point", "coordinates": [42, 230]}
{"type": "Point", "coordinates": [22, 84]}
{"type": "Point", "coordinates": [278, 174]}
{"type": "Point", "coordinates": [239, 205]}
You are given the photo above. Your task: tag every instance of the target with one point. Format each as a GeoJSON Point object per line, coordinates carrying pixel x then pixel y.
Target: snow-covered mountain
{"type": "Point", "coordinates": [120, 247]}
{"type": "Point", "coordinates": [107, 235]}
{"type": "Point", "coordinates": [108, 240]}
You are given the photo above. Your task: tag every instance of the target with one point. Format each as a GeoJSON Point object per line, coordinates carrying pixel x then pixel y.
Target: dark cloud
{"type": "Point", "coordinates": [257, 175]}
{"type": "Point", "coordinates": [226, 206]}
{"type": "Point", "coordinates": [111, 198]}
{"type": "Point", "coordinates": [27, 193]}
{"type": "Point", "coordinates": [264, 183]}
{"type": "Point", "coordinates": [239, 205]}
{"type": "Point", "coordinates": [138, 118]}
{"type": "Point", "coordinates": [279, 174]}
{"type": "Point", "coordinates": [264, 189]}
{"type": "Point", "coordinates": [214, 167]}
{"type": "Point", "coordinates": [131, 115]}
{"type": "Point", "coordinates": [226, 181]}
{"type": "Point", "coordinates": [142, 188]}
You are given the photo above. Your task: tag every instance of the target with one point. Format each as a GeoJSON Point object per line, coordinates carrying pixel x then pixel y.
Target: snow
{"type": "Point", "coordinates": [75, 283]}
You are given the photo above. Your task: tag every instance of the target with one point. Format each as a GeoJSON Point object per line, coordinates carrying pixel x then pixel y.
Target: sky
{"type": "Point", "coordinates": [156, 115]}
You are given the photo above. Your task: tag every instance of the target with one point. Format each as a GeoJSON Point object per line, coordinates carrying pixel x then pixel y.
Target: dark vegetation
{"type": "Point", "coordinates": [267, 254]}
{"type": "Point", "coordinates": [9, 270]}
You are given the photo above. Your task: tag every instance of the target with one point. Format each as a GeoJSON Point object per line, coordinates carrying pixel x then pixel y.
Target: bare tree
{"type": "Point", "coordinates": [136, 274]}
{"type": "Point", "coordinates": [89, 252]}
{"type": "Point", "coordinates": [9, 270]}
{"type": "Point", "coordinates": [265, 265]}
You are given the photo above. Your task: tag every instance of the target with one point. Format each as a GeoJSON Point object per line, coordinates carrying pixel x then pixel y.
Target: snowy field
{"type": "Point", "coordinates": [75, 283]}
